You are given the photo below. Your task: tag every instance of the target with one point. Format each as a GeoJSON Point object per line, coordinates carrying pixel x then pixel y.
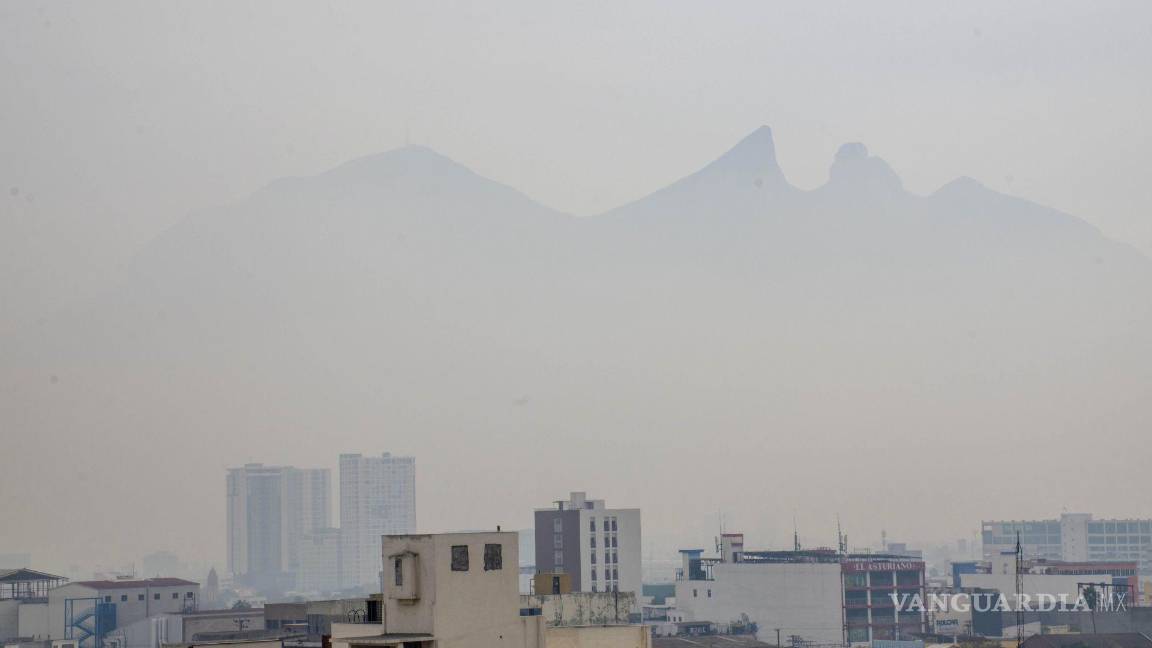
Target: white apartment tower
{"type": "Point", "coordinates": [597, 546]}
{"type": "Point", "coordinates": [377, 497]}
{"type": "Point", "coordinates": [270, 510]}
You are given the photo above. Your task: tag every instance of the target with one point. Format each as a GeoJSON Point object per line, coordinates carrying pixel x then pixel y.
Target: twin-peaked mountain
{"type": "Point", "coordinates": [729, 320]}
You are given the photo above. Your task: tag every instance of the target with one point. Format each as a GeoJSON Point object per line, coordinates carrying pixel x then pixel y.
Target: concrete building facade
{"type": "Point", "coordinates": [599, 548]}
{"type": "Point", "coordinates": [377, 497]}
{"type": "Point", "coordinates": [802, 599]}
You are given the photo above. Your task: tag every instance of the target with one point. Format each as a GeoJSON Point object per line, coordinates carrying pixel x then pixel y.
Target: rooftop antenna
{"type": "Point", "coordinates": [841, 541]}
{"type": "Point", "coordinates": [720, 518]}
{"type": "Point", "coordinates": [795, 534]}
{"type": "Point", "coordinates": [1019, 591]}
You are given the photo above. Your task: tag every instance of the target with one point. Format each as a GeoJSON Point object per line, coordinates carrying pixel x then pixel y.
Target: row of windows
{"type": "Point", "coordinates": [1120, 540]}
{"type": "Point", "coordinates": [609, 541]}
{"type": "Point", "coordinates": [493, 558]}
{"type": "Point", "coordinates": [609, 524]}
{"type": "Point", "coordinates": [1049, 527]}
{"type": "Point", "coordinates": [1144, 526]}
{"type": "Point", "coordinates": [1010, 540]}
{"type": "Point", "coordinates": [609, 557]}
{"type": "Point", "coordinates": [155, 596]}
{"type": "Point", "coordinates": [609, 574]}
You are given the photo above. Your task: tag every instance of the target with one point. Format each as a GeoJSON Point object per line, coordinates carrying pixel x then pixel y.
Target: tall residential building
{"type": "Point", "coordinates": [598, 547]}
{"type": "Point", "coordinates": [377, 497]}
{"type": "Point", "coordinates": [270, 510]}
{"type": "Point", "coordinates": [1075, 537]}
{"type": "Point", "coordinates": [320, 562]}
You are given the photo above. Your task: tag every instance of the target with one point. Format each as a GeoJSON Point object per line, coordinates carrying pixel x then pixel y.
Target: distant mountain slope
{"type": "Point", "coordinates": [724, 324]}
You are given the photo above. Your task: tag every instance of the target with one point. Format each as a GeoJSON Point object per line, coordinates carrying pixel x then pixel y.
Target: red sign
{"type": "Point", "coordinates": [883, 565]}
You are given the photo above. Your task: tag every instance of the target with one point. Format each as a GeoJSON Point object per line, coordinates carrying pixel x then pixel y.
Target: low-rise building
{"type": "Point", "coordinates": [461, 589]}
{"type": "Point", "coordinates": [813, 596]}
{"type": "Point", "coordinates": [96, 613]}
{"type": "Point", "coordinates": [24, 604]}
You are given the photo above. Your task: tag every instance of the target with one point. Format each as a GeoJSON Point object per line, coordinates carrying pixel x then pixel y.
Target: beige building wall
{"type": "Point", "coordinates": [625, 636]}
{"type": "Point", "coordinates": [583, 608]}
{"type": "Point", "coordinates": [477, 607]}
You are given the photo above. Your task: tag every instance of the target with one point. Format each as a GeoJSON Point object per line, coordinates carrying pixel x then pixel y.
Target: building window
{"type": "Point", "coordinates": [557, 525]}
{"type": "Point", "coordinates": [493, 557]}
{"type": "Point", "coordinates": [592, 557]}
{"type": "Point", "coordinates": [123, 597]}
{"type": "Point", "coordinates": [398, 572]}
{"type": "Point", "coordinates": [613, 524]}
{"type": "Point", "coordinates": [709, 593]}
{"type": "Point", "coordinates": [176, 595]}
{"type": "Point", "coordinates": [459, 557]}
{"type": "Point", "coordinates": [592, 525]}
{"type": "Point", "coordinates": [558, 541]}
{"type": "Point", "coordinates": [693, 593]}
{"type": "Point", "coordinates": [139, 597]}
{"type": "Point", "coordinates": [593, 574]}
{"type": "Point", "coordinates": [189, 595]}
{"type": "Point", "coordinates": [156, 597]}
{"type": "Point", "coordinates": [592, 542]}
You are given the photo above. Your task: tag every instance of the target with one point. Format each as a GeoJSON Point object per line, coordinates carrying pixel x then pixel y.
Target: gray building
{"type": "Point", "coordinates": [598, 547]}
{"type": "Point", "coordinates": [270, 511]}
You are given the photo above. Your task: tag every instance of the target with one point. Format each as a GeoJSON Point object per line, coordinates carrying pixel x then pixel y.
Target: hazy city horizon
{"type": "Point", "coordinates": [792, 270]}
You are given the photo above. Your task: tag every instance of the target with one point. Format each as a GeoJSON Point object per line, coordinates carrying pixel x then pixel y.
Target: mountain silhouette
{"type": "Point", "coordinates": [727, 322]}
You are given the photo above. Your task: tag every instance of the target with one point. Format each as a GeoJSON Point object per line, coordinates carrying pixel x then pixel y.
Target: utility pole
{"type": "Point", "coordinates": [777, 637]}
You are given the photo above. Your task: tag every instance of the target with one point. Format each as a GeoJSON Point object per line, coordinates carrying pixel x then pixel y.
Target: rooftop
{"type": "Point", "coordinates": [1114, 640]}
{"type": "Point", "coordinates": [23, 575]}
{"type": "Point", "coordinates": [386, 639]}
{"type": "Point", "coordinates": [710, 641]}
{"type": "Point", "coordinates": [137, 583]}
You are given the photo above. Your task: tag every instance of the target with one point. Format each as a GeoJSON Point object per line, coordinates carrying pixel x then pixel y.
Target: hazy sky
{"type": "Point", "coordinates": [117, 119]}
{"type": "Point", "coordinates": [140, 112]}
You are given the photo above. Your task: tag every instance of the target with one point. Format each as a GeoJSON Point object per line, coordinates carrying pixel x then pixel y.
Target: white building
{"type": "Point", "coordinates": [270, 509]}
{"type": "Point", "coordinates": [1001, 576]}
{"type": "Point", "coordinates": [377, 497]}
{"type": "Point", "coordinates": [319, 562]}
{"type": "Point", "coordinates": [128, 613]}
{"type": "Point", "coordinates": [801, 599]}
{"type": "Point", "coordinates": [599, 547]}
